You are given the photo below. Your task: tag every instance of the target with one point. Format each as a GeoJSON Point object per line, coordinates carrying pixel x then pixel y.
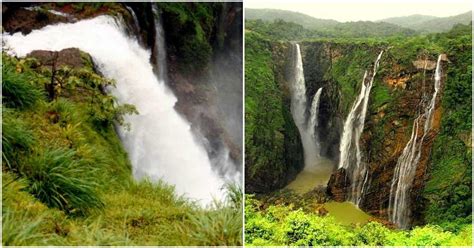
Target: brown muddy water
{"type": "Point", "coordinates": [318, 174]}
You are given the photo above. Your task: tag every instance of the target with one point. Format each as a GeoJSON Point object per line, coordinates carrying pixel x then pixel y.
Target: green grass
{"type": "Point", "coordinates": [18, 90]}
{"type": "Point", "coordinates": [68, 181]}
{"type": "Point", "coordinates": [16, 137]}
{"type": "Point", "coordinates": [17, 229]}
{"type": "Point", "coordinates": [61, 180]}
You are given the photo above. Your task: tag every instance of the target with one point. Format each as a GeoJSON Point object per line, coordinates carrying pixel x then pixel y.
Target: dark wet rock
{"type": "Point", "coordinates": [54, 61]}
{"type": "Point", "coordinates": [71, 57]}
{"type": "Point", "coordinates": [16, 18]}
{"type": "Point", "coordinates": [337, 185]}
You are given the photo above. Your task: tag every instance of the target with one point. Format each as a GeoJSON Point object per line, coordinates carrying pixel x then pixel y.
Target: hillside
{"type": "Point", "coordinates": [430, 24]}
{"type": "Point", "coordinates": [310, 27]}
{"type": "Point", "coordinates": [409, 21]}
{"type": "Point", "coordinates": [289, 16]}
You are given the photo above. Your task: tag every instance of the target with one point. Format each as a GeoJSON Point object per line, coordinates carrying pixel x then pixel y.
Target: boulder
{"type": "Point", "coordinates": [71, 57]}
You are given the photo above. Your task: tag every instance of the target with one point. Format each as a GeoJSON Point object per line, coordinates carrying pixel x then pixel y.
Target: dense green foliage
{"type": "Point", "coordinates": [271, 138]}
{"type": "Point", "coordinates": [448, 190]}
{"type": "Point", "coordinates": [189, 28]}
{"type": "Point", "coordinates": [281, 30]}
{"type": "Point", "coordinates": [67, 179]}
{"type": "Point", "coordinates": [289, 31]}
{"type": "Point", "coordinates": [314, 27]}
{"type": "Point", "coordinates": [280, 225]}
{"type": "Point", "coordinates": [263, 105]}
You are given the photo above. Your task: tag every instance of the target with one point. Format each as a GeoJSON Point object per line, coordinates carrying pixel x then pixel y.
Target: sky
{"type": "Point", "coordinates": [365, 10]}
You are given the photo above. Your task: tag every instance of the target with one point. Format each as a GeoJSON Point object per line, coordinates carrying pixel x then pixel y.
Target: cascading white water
{"type": "Point", "coordinates": [350, 154]}
{"type": "Point", "coordinates": [313, 119]}
{"type": "Point", "coordinates": [160, 143]}
{"type": "Point", "coordinates": [407, 163]}
{"type": "Point", "coordinates": [298, 110]}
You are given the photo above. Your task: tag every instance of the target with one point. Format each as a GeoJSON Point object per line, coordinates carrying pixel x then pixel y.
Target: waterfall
{"type": "Point", "coordinates": [350, 154]}
{"type": "Point", "coordinates": [298, 110]}
{"type": "Point", "coordinates": [160, 143]}
{"type": "Point", "coordinates": [313, 119]}
{"type": "Point", "coordinates": [407, 163]}
{"type": "Point", "coordinates": [160, 48]}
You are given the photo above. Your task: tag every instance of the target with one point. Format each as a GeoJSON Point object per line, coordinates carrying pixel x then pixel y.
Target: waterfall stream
{"type": "Point", "coordinates": [313, 118]}
{"type": "Point", "coordinates": [160, 143]}
{"type": "Point", "coordinates": [136, 24]}
{"type": "Point", "coordinates": [317, 169]}
{"type": "Point", "coordinates": [160, 48]}
{"type": "Point", "coordinates": [350, 154]}
{"type": "Point", "coordinates": [407, 163]}
{"type": "Point", "coordinates": [305, 127]}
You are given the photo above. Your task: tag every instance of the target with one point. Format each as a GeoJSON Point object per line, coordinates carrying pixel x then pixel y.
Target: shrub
{"type": "Point", "coordinates": [59, 179]}
{"type": "Point", "coordinates": [373, 234]}
{"type": "Point", "coordinates": [278, 225]}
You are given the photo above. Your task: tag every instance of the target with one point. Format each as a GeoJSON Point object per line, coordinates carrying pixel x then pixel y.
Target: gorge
{"type": "Point", "coordinates": [368, 131]}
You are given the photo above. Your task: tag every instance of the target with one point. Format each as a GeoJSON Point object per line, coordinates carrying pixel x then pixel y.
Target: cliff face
{"type": "Point", "coordinates": [394, 103]}
{"type": "Point", "coordinates": [388, 130]}
{"type": "Point", "coordinates": [274, 153]}
{"type": "Point", "coordinates": [204, 58]}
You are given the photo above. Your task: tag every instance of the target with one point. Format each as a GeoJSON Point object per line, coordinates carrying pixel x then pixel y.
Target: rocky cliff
{"type": "Point", "coordinates": [404, 80]}
{"type": "Point", "coordinates": [274, 153]}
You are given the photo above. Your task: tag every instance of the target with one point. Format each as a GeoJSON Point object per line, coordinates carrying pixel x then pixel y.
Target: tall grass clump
{"type": "Point", "coordinates": [222, 223]}
{"type": "Point", "coordinates": [16, 139]}
{"type": "Point", "coordinates": [19, 230]}
{"type": "Point", "coordinates": [63, 111]}
{"type": "Point", "coordinates": [60, 179]}
{"type": "Point", "coordinates": [18, 90]}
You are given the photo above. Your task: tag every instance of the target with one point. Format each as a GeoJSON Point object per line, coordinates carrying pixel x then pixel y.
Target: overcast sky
{"type": "Point", "coordinates": [367, 10]}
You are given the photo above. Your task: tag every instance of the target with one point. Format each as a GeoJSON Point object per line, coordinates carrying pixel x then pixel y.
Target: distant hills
{"type": "Point", "coordinates": [407, 25]}
{"type": "Point", "coordinates": [304, 20]}
{"type": "Point", "coordinates": [430, 24]}
{"type": "Point", "coordinates": [318, 27]}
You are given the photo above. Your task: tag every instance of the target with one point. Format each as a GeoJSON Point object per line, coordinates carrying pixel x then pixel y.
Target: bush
{"type": "Point", "coordinates": [373, 234]}
{"type": "Point", "coordinates": [59, 179]}
{"type": "Point", "coordinates": [278, 225]}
